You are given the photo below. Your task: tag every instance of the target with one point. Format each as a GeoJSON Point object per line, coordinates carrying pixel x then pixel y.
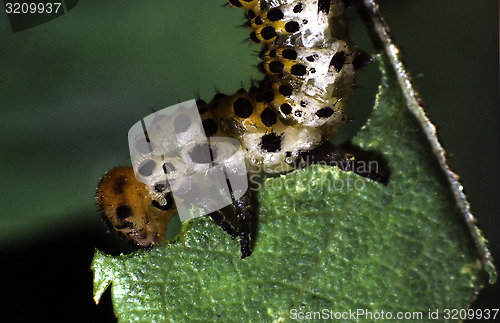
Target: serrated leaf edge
{"type": "Point", "coordinates": [370, 11]}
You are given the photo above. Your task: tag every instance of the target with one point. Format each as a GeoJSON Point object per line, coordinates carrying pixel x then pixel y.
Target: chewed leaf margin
{"type": "Point", "coordinates": [411, 245]}
{"type": "Point", "coordinates": [403, 244]}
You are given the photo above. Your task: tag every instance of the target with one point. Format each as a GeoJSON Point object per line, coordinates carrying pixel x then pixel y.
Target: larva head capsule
{"type": "Point", "coordinates": [129, 210]}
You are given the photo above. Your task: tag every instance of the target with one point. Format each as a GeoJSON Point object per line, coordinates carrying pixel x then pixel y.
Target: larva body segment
{"type": "Point", "coordinates": [310, 71]}
{"type": "Point", "coordinates": [310, 65]}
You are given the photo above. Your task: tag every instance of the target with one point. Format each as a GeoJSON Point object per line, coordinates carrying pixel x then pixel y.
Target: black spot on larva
{"type": "Point", "coordinates": [286, 108]}
{"type": "Point", "coordinates": [254, 38]}
{"type": "Point", "coordinates": [268, 117]}
{"type": "Point", "coordinates": [119, 184]}
{"type": "Point", "coordinates": [210, 127]}
{"type": "Point", "coordinates": [298, 8]}
{"type": "Point", "coordinates": [258, 21]}
{"type": "Point", "coordinates": [275, 14]}
{"type": "Point", "coordinates": [263, 4]}
{"type": "Point", "coordinates": [271, 142]}
{"type": "Point", "coordinates": [202, 154]}
{"type": "Point", "coordinates": [168, 168]}
{"type": "Point", "coordinates": [250, 14]}
{"type": "Point", "coordinates": [338, 61]}
{"type": "Point", "coordinates": [276, 67]}
{"type": "Point", "coordinates": [304, 21]}
{"type": "Point", "coordinates": [146, 167]}
{"type": "Point", "coordinates": [288, 154]}
{"type": "Point", "coordinates": [310, 58]}
{"type": "Point", "coordinates": [182, 123]}
{"type": "Point", "coordinates": [298, 70]}
{"type": "Point", "coordinates": [312, 70]}
{"type": "Point", "coordinates": [268, 33]}
{"type": "Point", "coordinates": [292, 26]}
{"type": "Point", "coordinates": [272, 53]}
{"type": "Point", "coordinates": [324, 6]}
{"type": "Point", "coordinates": [123, 212]}
{"type": "Point", "coordinates": [285, 90]}
{"type": "Point", "coordinates": [169, 199]}
{"type": "Point", "coordinates": [144, 146]}
{"type": "Point", "coordinates": [267, 96]}
{"type": "Point", "coordinates": [243, 108]}
{"type": "Point", "coordinates": [298, 114]}
{"type": "Point", "coordinates": [289, 54]}
{"type": "Point", "coordinates": [161, 186]}
{"type": "Point", "coordinates": [235, 3]}
{"type": "Point", "coordinates": [168, 205]}
{"type": "Point", "coordinates": [325, 112]}
{"type": "Point", "coordinates": [303, 103]}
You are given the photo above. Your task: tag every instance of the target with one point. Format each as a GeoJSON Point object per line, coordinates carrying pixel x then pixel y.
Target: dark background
{"type": "Point", "coordinates": [71, 88]}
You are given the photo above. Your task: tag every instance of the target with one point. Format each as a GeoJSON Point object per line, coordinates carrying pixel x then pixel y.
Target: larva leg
{"type": "Point", "coordinates": [220, 219]}
{"type": "Point", "coordinates": [329, 154]}
{"type": "Point", "coordinates": [244, 214]}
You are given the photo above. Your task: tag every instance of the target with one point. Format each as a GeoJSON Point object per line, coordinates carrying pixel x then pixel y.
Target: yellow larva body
{"type": "Point", "coordinates": [310, 65]}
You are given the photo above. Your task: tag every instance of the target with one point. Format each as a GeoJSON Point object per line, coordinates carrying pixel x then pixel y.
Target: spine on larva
{"type": "Point", "coordinates": [308, 57]}
{"type": "Point", "coordinates": [310, 65]}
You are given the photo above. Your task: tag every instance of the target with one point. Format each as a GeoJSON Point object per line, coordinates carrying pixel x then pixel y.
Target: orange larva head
{"type": "Point", "coordinates": [130, 211]}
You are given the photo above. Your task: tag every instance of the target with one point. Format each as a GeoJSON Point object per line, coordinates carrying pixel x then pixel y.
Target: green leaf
{"type": "Point", "coordinates": [325, 240]}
